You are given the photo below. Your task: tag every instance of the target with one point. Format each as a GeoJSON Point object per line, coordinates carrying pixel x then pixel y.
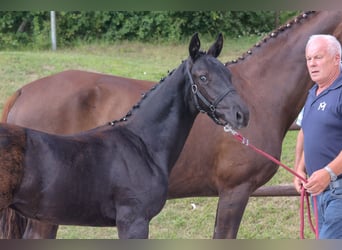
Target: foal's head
{"type": "Point", "coordinates": [213, 91]}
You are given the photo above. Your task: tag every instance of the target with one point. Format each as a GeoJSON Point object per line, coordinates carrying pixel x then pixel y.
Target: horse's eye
{"type": "Point", "coordinates": [203, 78]}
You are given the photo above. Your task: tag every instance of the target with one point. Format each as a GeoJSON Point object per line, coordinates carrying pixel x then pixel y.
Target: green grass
{"type": "Point", "coordinates": [264, 218]}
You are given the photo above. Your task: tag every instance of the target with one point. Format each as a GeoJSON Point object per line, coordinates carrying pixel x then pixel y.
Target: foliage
{"type": "Point", "coordinates": [32, 29]}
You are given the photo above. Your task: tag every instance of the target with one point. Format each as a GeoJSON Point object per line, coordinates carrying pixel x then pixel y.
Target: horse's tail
{"type": "Point", "coordinates": [9, 104]}
{"type": "Point", "coordinates": [12, 224]}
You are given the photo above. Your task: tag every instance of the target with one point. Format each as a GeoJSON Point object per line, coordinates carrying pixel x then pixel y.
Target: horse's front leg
{"type": "Point", "coordinates": [40, 230]}
{"type": "Point", "coordinates": [231, 206]}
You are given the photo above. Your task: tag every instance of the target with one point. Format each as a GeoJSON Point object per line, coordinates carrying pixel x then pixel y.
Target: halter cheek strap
{"type": "Point", "coordinates": [211, 106]}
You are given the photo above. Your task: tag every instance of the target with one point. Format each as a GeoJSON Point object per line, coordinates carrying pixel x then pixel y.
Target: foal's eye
{"type": "Point", "coordinates": [203, 78]}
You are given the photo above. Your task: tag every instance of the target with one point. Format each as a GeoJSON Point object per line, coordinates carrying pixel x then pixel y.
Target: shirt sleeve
{"type": "Point", "coordinates": [300, 118]}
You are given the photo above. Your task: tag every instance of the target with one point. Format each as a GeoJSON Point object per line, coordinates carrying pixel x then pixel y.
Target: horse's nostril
{"type": "Point", "coordinates": [239, 116]}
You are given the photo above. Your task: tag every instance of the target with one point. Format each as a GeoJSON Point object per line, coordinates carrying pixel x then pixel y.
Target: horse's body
{"type": "Point", "coordinates": [89, 100]}
{"type": "Point", "coordinates": [272, 78]}
{"type": "Point", "coordinates": [116, 174]}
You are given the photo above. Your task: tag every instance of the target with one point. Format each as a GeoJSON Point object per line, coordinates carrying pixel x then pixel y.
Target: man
{"type": "Point", "coordinates": [321, 134]}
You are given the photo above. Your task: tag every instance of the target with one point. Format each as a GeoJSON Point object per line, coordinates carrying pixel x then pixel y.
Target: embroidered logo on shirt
{"type": "Point", "coordinates": [322, 106]}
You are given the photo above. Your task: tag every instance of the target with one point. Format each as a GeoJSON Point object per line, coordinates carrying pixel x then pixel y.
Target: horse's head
{"type": "Point", "coordinates": [213, 91]}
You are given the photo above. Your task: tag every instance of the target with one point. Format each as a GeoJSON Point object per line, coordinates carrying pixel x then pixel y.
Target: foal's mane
{"type": "Point", "coordinates": [145, 94]}
{"type": "Point", "coordinates": [137, 105]}
{"type": "Point", "coordinates": [290, 24]}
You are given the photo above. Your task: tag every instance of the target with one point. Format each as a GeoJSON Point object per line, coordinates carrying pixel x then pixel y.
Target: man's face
{"type": "Point", "coordinates": [320, 63]}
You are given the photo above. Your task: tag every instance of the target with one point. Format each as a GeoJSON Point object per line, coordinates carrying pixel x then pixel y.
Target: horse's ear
{"type": "Point", "coordinates": [216, 48]}
{"type": "Point", "coordinates": [194, 46]}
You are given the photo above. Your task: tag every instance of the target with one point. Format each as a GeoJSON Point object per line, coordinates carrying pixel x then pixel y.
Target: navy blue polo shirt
{"type": "Point", "coordinates": [322, 126]}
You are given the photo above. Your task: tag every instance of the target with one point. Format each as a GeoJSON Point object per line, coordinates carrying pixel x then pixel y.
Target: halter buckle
{"type": "Point", "coordinates": [194, 88]}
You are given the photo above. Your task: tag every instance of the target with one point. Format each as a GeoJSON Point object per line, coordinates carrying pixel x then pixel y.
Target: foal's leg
{"type": "Point", "coordinates": [230, 209]}
{"type": "Point", "coordinates": [131, 223]}
{"type": "Point", "coordinates": [40, 230]}
{"type": "Point", "coordinates": [137, 229]}
{"type": "Point", "coordinates": [12, 224]}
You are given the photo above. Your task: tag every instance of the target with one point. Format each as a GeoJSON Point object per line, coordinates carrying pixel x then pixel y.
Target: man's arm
{"type": "Point", "coordinates": [299, 165]}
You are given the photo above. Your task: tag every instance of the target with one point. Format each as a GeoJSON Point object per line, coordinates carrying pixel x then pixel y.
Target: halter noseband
{"type": "Point", "coordinates": [211, 106]}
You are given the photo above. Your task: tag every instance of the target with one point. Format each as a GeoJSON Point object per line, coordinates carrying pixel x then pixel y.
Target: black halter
{"type": "Point", "coordinates": [211, 106]}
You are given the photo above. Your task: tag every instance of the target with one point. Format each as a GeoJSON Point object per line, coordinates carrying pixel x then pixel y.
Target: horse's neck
{"type": "Point", "coordinates": [164, 119]}
{"type": "Point", "coordinates": [274, 79]}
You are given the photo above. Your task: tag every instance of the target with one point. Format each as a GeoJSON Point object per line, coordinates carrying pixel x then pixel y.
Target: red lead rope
{"type": "Point", "coordinates": [304, 194]}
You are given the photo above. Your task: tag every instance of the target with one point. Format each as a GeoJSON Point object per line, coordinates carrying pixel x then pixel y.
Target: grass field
{"type": "Point", "coordinates": [265, 218]}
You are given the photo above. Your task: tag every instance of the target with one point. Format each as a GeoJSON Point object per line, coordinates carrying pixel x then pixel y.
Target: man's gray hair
{"type": "Point", "coordinates": [334, 46]}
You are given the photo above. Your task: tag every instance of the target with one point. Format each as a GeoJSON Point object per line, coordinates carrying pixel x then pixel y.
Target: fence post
{"type": "Point", "coordinates": [53, 30]}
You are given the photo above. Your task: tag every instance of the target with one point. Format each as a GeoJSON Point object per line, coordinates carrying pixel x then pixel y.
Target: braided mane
{"type": "Point", "coordinates": [273, 35]}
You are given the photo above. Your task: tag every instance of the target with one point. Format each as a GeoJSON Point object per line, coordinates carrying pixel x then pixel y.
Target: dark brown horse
{"type": "Point", "coordinates": [117, 174]}
{"type": "Point", "coordinates": [271, 77]}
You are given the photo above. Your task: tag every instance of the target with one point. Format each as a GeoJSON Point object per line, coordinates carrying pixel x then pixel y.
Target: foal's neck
{"type": "Point", "coordinates": [164, 118]}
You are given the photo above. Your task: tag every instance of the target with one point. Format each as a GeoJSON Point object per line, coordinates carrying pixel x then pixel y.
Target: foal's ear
{"type": "Point", "coordinates": [216, 48]}
{"type": "Point", "coordinates": [194, 47]}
